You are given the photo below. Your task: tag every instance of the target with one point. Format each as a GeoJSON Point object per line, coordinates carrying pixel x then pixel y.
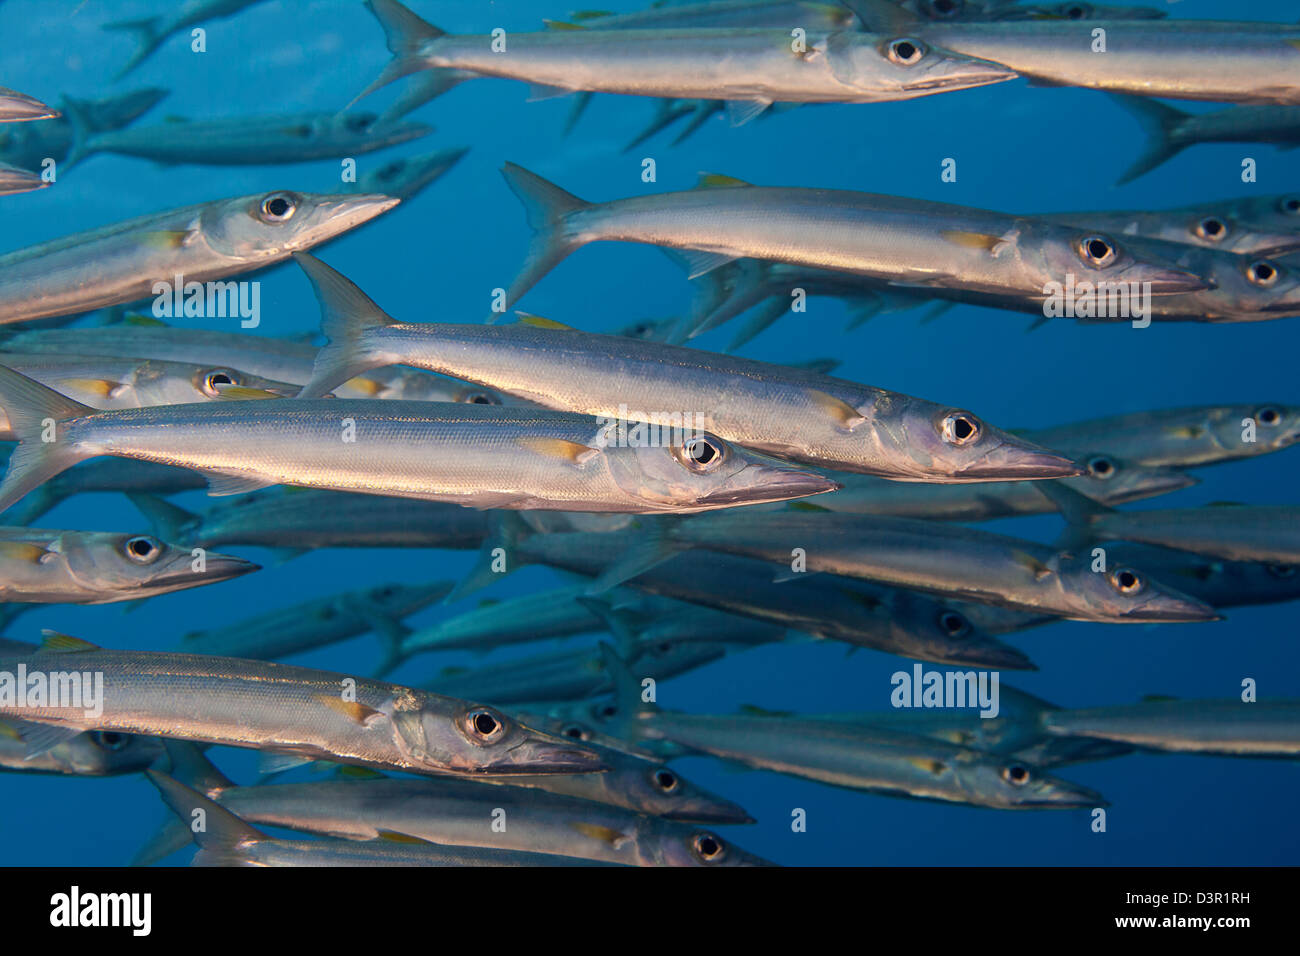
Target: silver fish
{"type": "Point", "coordinates": [1227, 728]}
{"type": "Point", "coordinates": [305, 713]}
{"type": "Point", "coordinates": [907, 242]}
{"type": "Point", "coordinates": [751, 69]}
{"type": "Point", "coordinates": [18, 107]}
{"type": "Point", "coordinates": [91, 567]}
{"type": "Point", "coordinates": [124, 261]}
{"type": "Point", "coordinates": [791, 413]}
{"type": "Point", "coordinates": [406, 176]}
{"type": "Point", "coordinates": [14, 181]}
{"type": "Point", "coordinates": [228, 841]}
{"type": "Point", "coordinates": [114, 475]}
{"type": "Point", "coordinates": [27, 145]}
{"type": "Point", "coordinates": [95, 753]}
{"type": "Point", "coordinates": [1217, 582]}
{"type": "Point", "coordinates": [318, 622]}
{"type": "Point", "coordinates": [152, 32]}
{"type": "Point", "coordinates": [480, 456]}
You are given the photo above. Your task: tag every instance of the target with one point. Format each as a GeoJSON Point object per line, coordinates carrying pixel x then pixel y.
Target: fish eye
{"type": "Point", "coordinates": [665, 780]}
{"type": "Point", "coordinates": [142, 549]}
{"type": "Point", "coordinates": [953, 624]}
{"type": "Point", "coordinates": [1126, 581]}
{"type": "Point", "coordinates": [708, 848]}
{"type": "Point", "coordinates": [943, 9]}
{"type": "Point", "coordinates": [1263, 273]}
{"type": "Point", "coordinates": [701, 455]}
{"type": "Point", "coordinates": [576, 731]}
{"type": "Point", "coordinates": [278, 207]}
{"type": "Point", "coordinates": [109, 740]}
{"type": "Point", "coordinates": [1212, 228]}
{"type": "Point", "coordinates": [1099, 466]}
{"type": "Point", "coordinates": [961, 428]}
{"type": "Point", "coordinates": [1017, 775]}
{"type": "Point", "coordinates": [906, 52]}
{"type": "Point", "coordinates": [1268, 415]}
{"type": "Point", "coordinates": [1282, 570]}
{"type": "Point", "coordinates": [1098, 251]}
{"type": "Point", "coordinates": [1076, 11]}
{"type": "Point", "coordinates": [484, 725]}
{"type": "Point", "coordinates": [480, 398]}
{"type": "Point", "coordinates": [216, 378]}
{"type": "Point", "coordinates": [1290, 205]}
{"type": "Point", "coordinates": [359, 123]}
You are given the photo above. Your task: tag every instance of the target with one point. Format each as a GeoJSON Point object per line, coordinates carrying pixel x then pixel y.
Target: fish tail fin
{"type": "Point", "coordinates": [148, 37]}
{"type": "Point", "coordinates": [667, 112]}
{"type": "Point", "coordinates": [653, 549]}
{"type": "Point", "coordinates": [628, 702]}
{"type": "Point", "coordinates": [700, 115]}
{"type": "Point", "coordinates": [620, 622]}
{"type": "Point", "coordinates": [763, 317]}
{"type": "Point", "coordinates": [505, 530]}
{"type": "Point", "coordinates": [169, 521]}
{"type": "Point", "coordinates": [547, 206]}
{"type": "Point", "coordinates": [118, 111]}
{"type": "Point", "coordinates": [405, 33]}
{"type": "Point", "coordinates": [34, 412]}
{"type": "Point", "coordinates": [427, 88]}
{"type": "Point", "coordinates": [81, 120]}
{"type": "Point", "coordinates": [190, 766]}
{"type": "Point", "coordinates": [346, 315]}
{"type": "Point", "coordinates": [1077, 509]}
{"type": "Point", "coordinates": [36, 504]}
{"type": "Point", "coordinates": [580, 101]}
{"type": "Point", "coordinates": [1161, 123]}
{"type": "Point", "coordinates": [222, 835]}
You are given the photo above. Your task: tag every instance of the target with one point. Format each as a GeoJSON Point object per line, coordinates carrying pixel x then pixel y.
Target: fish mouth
{"type": "Point", "coordinates": [1174, 610]}
{"type": "Point", "coordinates": [966, 74]}
{"type": "Point", "coordinates": [218, 567]}
{"type": "Point", "coordinates": [773, 485]}
{"type": "Point", "coordinates": [14, 180]}
{"type": "Point", "coordinates": [992, 655]}
{"type": "Point", "coordinates": [1064, 796]}
{"type": "Point", "coordinates": [715, 810]}
{"type": "Point", "coordinates": [20, 108]}
{"type": "Point", "coordinates": [1018, 462]}
{"type": "Point", "coordinates": [348, 212]}
{"type": "Point", "coordinates": [1163, 485]}
{"type": "Point", "coordinates": [1166, 280]}
{"type": "Point", "coordinates": [541, 754]}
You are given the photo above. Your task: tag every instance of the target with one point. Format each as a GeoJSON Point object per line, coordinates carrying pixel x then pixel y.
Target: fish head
{"type": "Point", "coordinates": [1113, 481]}
{"type": "Point", "coordinates": [1078, 10]}
{"type": "Point", "coordinates": [106, 752]}
{"type": "Point", "coordinates": [1216, 228]}
{"type": "Point", "coordinates": [403, 599]}
{"type": "Point", "coordinates": [1079, 259]}
{"type": "Point", "coordinates": [209, 381]}
{"type": "Point", "coordinates": [1126, 593]}
{"type": "Point", "coordinates": [953, 445]}
{"type": "Point", "coordinates": [142, 563]}
{"type": "Point", "coordinates": [405, 176]}
{"type": "Point", "coordinates": [940, 631]}
{"type": "Point", "coordinates": [1270, 215]}
{"type": "Point", "coordinates": [1015, 784]}
{"type": "Point", "coordinates": [371, 130]}
{"type": "Point", "coordinates": [899, 65]}
{"type": "Point", "coordinates": [470, 738]}
{"type": "Point", "coordinates": [693, 846]}
{"type": "Point", "coordinates": [659, 790]}
{"type": "Point", "coordinates": [272, 225]}
{"type": "Point", "coordinates": [696, 471]}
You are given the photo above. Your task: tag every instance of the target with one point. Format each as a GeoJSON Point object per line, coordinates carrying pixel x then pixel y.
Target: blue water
{"type": "Point", "coordinates": [439, 257]}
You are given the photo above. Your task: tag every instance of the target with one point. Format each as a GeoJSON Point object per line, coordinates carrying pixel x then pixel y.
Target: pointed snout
{"type": "Point", "coordinates": [762, 483]}
{"type": "Point", "coordinates": [18, 107]}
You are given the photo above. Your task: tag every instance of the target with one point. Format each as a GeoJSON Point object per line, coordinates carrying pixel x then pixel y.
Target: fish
{"type": "Point", "coordinates": [127, 261]}
{"type": "Point", "coordinates": [1263, 533]}
{"type": "Point", "coordinates": [1106, 479]}
{"type": "Point", "coordinates": [906, 242]}
{"type": "Point", "coordinates": [244, 140]}
{"type": "Point", "coordinates": [292, 521]}
{"type": "Point", "coordinates": [750, 69]}
{"type": "Point", "coordinates": [1182, 437]}
{"type": "Point", "coordinates": [1219, 583]}
{"type": "Point", "coordinates": [152, 32]}
{"type": "Point", "coordinates": [102, 382]}
{"type": "Point", "coordinates": [14, 181]}
{"type": "Point", "coordinates": [45, 566]}
{"type": "Point", "coordinates": [18, 107]}
{"type": "Point", "coordinates": [281, 360]}
{"type": "Point", "coordinates": [452, 812]}
{"type": "Point", "coordinates": [481, 456]}
{"type": "Point", "coordinates": [225, 840]}
{"type": "Point", "coordinates": [938, 558]}
{"type": "Point", "coordinates": [1223, 728]}
{"type": "Point", "coordinates": [286, 710]}
{"type": "Point", "coordinates": [1253, 62]}
{"type": "Point", "coordinates": [113, 475]}
{"type": "Point", "coordinates": [28, 145]}
{"type": "Point", "coordinates": [318, 622]}
{"type": "Point", "coordinates": [793, 414]}
{"type": "Point", "coordinates": [863, 758]}
{"type": "Point", "coordinates": [406, 176]}
{"type": "Point", "coordinates": [860, 613]}
{"type": "Point", "coordinates": [92, 754]}
{"type": "Point", "coordinates": [1170, 130]}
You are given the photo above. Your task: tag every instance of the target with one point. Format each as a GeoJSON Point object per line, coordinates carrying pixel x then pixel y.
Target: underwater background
{"type": "Point", "coordinates": [438, 258]}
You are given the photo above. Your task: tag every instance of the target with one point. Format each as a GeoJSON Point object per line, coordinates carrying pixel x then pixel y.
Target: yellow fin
{"type": "Point", "coordinates": [597, 832]}
{"type": "Point", "coordinates": [845, 414]}
{"type": "Point", "coordinates": [572, 451]}
{"type": "Point", "coordinates": [719, 181]}
{"type": "Point", "coordinates": [1185, 431]}
{"type": "Point", "coordinates": [165, 239]}
{"type": "Point", "coordinates": [392, 836]}
{"type": "Point", "coordinates": [359, 773]}
{"type": "Point", "coordinates": [94, 386]}
{"type": "Point", "coordinates": [63, 644]}
{"type": "Point", "coordinates": [562, 25]}
{"type": "Point", "coordinates": [973, 240]}
{"type": "Point", "coordinates": [753, 710]}
{"type": "Point", "coordinates": [144, 321]}
{"type": "Point", "coordinates": [242, 393]}
{"type": "Point", "coordinates": [22, 551]}
{"type": "Point", "coordinates": [928, 764]}
{"type": "Point", "coordinates": [353, 710]}
{"type": "Point", "coordinates": [1031, 564]}
{"type": "Point", "coordinates": [537, 322]}
{"type": "Point", "coordinates": [9, 730]}
{"type": "Point", "coordinates": [807, 506]}
{"type": "Point", "coordinates": [367, 385]}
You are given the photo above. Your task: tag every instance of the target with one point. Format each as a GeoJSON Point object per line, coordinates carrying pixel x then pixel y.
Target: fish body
{"type": "Point", "coordinates": [18, 107]}
{"type": "Point", "coordinates": [92, 754]}
{"type": "Point", "coordinates": [1268, 534]}
{"type": "Point", "coordinates": [14, 180]}
{"type": "Point", "coordinates": [1229, 728]}
{"type": "Point", "coordinates": [125, 261]}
